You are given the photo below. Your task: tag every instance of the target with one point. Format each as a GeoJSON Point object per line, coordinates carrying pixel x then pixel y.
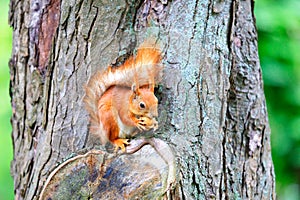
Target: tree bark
{"type": "Point", "coordinates": [212, 106]}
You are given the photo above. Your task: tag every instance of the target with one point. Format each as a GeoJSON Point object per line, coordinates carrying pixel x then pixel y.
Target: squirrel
{"type": "Point", "coordinates": [121, 101]}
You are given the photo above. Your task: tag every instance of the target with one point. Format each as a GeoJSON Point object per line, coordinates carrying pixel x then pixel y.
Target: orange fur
{"type": "Point", "coordinates": [121, 100]}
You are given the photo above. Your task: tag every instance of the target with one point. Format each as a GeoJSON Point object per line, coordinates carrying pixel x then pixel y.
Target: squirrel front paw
{"type": "Point", "coordinates": [146, 123]}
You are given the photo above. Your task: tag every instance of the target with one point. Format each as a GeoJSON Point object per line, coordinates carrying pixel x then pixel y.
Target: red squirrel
{"type": "Point", "coordinates": [121, 100]}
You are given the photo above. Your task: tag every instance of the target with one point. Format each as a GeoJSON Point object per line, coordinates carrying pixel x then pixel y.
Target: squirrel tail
{"type": "Point", "coordinates": [142, 69]}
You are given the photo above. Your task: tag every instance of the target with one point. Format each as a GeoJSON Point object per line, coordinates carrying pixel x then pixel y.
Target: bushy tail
{"type": "Point", "coordinates": [142, 69]}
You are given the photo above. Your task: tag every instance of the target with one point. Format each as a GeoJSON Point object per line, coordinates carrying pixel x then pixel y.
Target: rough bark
{"type": "Point", "coordinates": [212, 107]}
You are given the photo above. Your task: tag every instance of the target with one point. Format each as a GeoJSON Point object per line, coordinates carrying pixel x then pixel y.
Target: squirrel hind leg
{"type": "Point", "coordinates": [120, 143]}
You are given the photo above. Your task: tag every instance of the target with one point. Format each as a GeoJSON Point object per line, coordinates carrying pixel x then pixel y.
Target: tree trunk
{"type": "Point", "coordinates": [212, 106]}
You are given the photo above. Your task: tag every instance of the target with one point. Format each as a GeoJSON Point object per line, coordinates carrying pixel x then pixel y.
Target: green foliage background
{"type": "Point", "coordinates": [278, 23]}
{"type": "Point", "coordinates": [6, 182]}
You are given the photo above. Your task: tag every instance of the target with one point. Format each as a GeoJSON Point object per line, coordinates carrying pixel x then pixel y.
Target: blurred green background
{"type": "Point", "coordinates": [278, 23]}
{"type": "Point", "coordinates": [6, 182]}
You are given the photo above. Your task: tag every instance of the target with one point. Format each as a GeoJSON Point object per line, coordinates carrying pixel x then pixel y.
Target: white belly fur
{"type": "Point", "coordinates": [125, 131]}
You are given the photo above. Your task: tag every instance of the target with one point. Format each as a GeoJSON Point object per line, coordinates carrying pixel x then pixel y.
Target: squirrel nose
{"type": "Point", "coordinates": [154, 112]}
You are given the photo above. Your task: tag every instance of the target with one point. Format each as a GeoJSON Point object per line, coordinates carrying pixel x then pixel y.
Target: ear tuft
{"type": "Point", "coordinates": [135, 90]}
{"type": "Point", "coordinates": [133, 87]}
{"type": "Point", "coordinates": [151, 87]}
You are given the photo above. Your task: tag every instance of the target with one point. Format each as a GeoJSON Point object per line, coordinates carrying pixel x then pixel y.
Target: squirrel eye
{"type": "Point", "coordinates": [142, 105]}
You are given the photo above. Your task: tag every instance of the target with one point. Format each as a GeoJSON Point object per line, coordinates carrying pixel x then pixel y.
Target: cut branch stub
{"type": "Point", "coordinates": [100, 175]}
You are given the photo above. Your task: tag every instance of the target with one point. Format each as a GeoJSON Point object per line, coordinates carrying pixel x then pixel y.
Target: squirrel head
{"type": "Point", "coordinates": [143, 102]}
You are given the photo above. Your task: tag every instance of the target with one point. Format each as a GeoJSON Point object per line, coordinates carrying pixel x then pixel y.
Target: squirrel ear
{"type": "Point", "coordinates": [151, 87]}
{"type": "Point", "coordinates": [135, 91]}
